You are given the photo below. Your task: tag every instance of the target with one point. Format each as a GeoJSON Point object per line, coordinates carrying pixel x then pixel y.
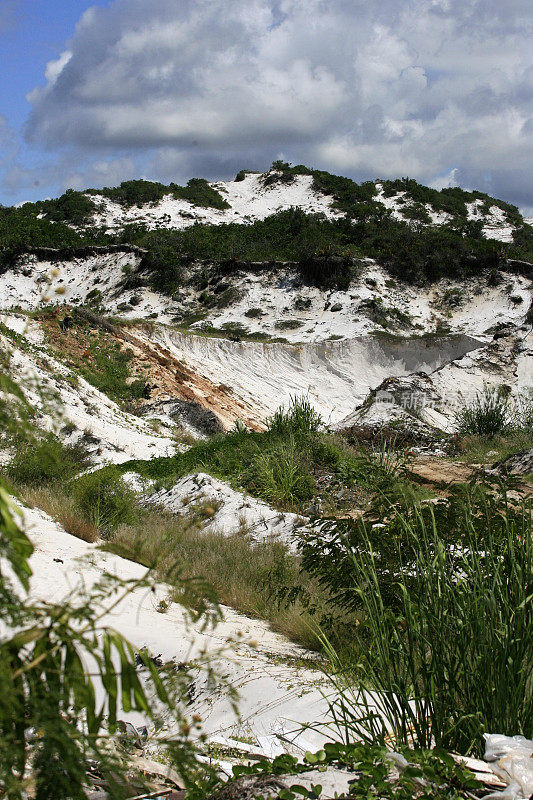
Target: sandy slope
{"type": "Point", "coordinates": [275, 696]}
{"type": "Point", "coordinates": [336, 375]}
{"type": "Point", "coordinates": [62, 398]}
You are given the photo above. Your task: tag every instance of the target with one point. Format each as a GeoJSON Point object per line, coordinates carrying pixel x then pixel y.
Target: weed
{"type": "Point", "coordinates": [299, 417]}
{"type": "Point", "coordinates": [390, 459]}
{"type": "Point", "coordinates": [281, 477]}
{"type": "Point", "coordinates": [482, 449]}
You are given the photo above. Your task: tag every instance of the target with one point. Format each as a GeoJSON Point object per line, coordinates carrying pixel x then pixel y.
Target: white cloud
{"type": "Point", "coordinates": [368, 88]}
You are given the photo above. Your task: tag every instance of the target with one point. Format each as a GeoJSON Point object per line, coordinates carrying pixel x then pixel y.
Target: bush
{"type": "Point", "coordinates": [46, 461]}
{"type": "Point", "coordinates": [246, 459]}
{"type": "Point", "coordinates": [487, 415]}
{"type": "Point", "coordinates": [72, 207]}
{"type": "Point", "coordinates": [328, 271]}
{"type": "Point", "coordinates": [139, 192]}
{"type": "Point", "coordinates": [105, 500]}
{"type": "Point", "coordinates": [300, 417]}
{"type": "Point", "coordinates": [368, 229]}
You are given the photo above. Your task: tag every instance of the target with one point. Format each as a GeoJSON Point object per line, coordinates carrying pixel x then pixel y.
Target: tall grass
{"type": "Point", "coordinates": [104, 500]}
{"type": "Point", "coordinates": [61, 506]}
{"type": "Point", "coordinates": [479, 449]}
{"type": "Point", "coordinates": [452, 657]}
{"type": "Point", "coordinates": [390, 458]}
{"type": "Point", "coordinates": [299, 417]}
{"type": "Point", "coordinates": [488, 414]}
{"type": "Point", "coordinates": [282, 478]}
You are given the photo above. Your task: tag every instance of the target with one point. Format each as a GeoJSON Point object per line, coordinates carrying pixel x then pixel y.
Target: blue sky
{"type": "Point", "coordinates": [440, 90]}
{"type": "Point", "coordinates": [32, 32]}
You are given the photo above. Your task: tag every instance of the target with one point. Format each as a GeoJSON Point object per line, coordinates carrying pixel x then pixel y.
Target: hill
{"type": "Point", "coordinates": [299, 397]}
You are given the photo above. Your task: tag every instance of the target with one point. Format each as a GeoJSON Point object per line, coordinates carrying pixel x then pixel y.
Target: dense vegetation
{"type": "Point", "coordinates": [21, 230]}
{"type": "Point", "coordinates": [139, 192]}
{"type": "Point", "coordinates": [411, 248]}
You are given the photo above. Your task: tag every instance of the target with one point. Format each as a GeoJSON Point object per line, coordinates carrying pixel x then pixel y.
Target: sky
{"type": "Point", "coordinates": [93, 94]}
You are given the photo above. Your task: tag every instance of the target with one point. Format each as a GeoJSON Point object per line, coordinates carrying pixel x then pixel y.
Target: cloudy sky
{"type": "Point", "coordinates": [92, 94]}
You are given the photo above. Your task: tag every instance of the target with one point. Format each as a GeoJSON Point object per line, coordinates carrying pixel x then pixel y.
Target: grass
{"type": "Point", "coordinates": [98, 505]}
{"type": "Point", "coordinates": [244, 575]}
{"type": "Point", "coordinates": [239, 573]}
{"type": "Point", "coordinates": [288, 465]}
{"type": "Point", "coordinates": [493, 422]}
{"type": "Point", "coordinates": [108, 368]}
{"type": "Point", "coordinates": [43, 460]}
{"type": "Point", "coordinates": [487, 414]}
{"type": "Point", "coordinates": [476, 449]}
{"type": "Point", "coordinates": [431, 608]}
{"type": "Point", "coordinates": [444, 623]}
{"type": "Point", "coordinates": [62, 507]}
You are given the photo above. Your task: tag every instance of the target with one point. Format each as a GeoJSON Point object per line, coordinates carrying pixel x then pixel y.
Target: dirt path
{"type": "Point", "coordinates": [440, 473]}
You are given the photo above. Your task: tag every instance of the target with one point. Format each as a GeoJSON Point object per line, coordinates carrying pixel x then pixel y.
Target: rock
{"type": "Point", "coordinates": [517, 464]}
{"type": "Point", "coordinates": [403, 408]}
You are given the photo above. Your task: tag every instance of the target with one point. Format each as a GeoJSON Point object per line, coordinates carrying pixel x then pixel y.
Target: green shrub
{"type": "Point", "coordinates": [288, 324]}
{"type": "Point", "coordinates": [46, 460]}
{"type": "Point", "coordinates": [139, 192]}
{"type": "Point", "coordinates": [72, 207]}
{"type": "Point", "coordinates": [294, 437]}
{"type": "Point", "coordinates": [488, 414]}
{"type": "Point", "coordinates": [328, 270]}
{"type": "Point", "coordinates": [417, 213]}
{"type": "Point", "coordinates": [105, 500]}
{"type": "Point", "coordinates": [299, 418]}
{"type": "Point", "coordinates": [200, 193]}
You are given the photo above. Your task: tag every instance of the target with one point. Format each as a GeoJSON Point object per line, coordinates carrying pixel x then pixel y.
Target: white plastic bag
{"type": "Point", "coordinates": [511, 758]}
